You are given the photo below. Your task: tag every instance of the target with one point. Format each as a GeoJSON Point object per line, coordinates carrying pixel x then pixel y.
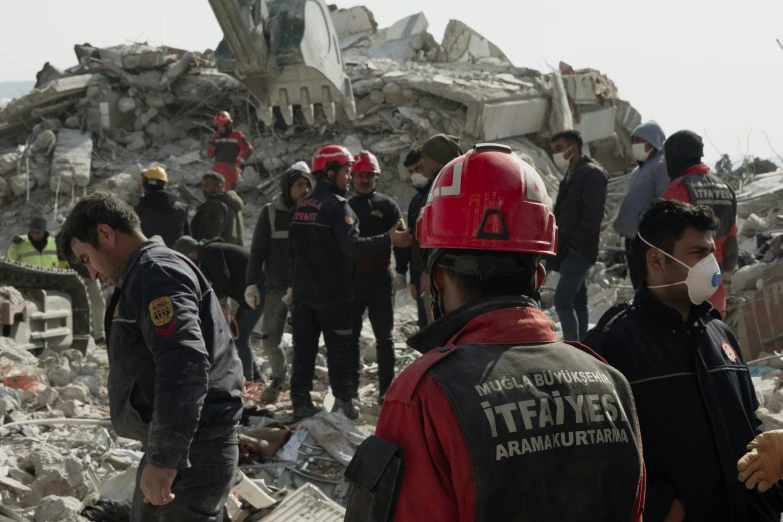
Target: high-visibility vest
{"type": "Point", "coordinates": [25, 252]}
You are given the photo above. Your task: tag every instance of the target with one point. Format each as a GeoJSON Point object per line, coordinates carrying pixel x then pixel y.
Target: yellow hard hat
{"type": "Point", "coordinates": [155, 176]}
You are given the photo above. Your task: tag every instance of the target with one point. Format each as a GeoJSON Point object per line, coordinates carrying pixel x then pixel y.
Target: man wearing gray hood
{"type": "Point", "coordinates": [648, 183]}
{"type": "Point", "coordinates": [268, 271]}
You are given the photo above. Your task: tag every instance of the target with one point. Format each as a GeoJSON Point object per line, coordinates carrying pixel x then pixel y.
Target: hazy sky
{"type": "Point", "coordinates": [686, 63]}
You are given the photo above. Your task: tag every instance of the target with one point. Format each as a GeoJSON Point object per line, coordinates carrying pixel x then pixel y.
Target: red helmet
{"type": "Point", "coordinates": [365, 161]}
{"type": "Point", "coordinates": [331, 154]}
{"type": "Point", "coordinates": [488, 199]}
{"type": "Point", "coordinates": [223, 118]}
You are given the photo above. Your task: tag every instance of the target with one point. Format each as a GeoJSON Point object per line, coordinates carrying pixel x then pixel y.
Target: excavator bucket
{"type": "Point", "coordinates": [287, 53]}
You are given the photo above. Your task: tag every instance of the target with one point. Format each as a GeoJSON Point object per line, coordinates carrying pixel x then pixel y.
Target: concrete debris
{"type": "Point", "coordinates": [463, 44]}
{"type": "Point", "coordinates": [57, 508]}
{"type": "Point", "coordinates": [308, 503]}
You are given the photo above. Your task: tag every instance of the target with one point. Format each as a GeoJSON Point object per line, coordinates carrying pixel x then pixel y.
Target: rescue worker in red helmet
{"type": "Point", "coordinates": [374, 286]}
{"type": "Point", "coordinates": [497, 420]}
{"type": "Point", "coordinates": [230, 149]}
{"type": "Point", "coordinates": [323, 239]}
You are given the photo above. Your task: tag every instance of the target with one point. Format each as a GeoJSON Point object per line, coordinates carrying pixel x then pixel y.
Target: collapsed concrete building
{"type": "Point", "coordinates": [120, 110]}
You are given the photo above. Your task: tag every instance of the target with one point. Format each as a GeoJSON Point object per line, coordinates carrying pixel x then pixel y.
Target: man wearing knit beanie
{"type": "Point", "coordinates": [436, 152]}
{"type": "Point", "coordinates": [692, 182]}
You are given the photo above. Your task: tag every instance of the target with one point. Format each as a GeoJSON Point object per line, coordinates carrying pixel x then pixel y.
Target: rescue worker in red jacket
{"type": "Point", "coordinates": [497, 420]}
{"type": "Point", "coordinates": [230, 149]}
{"type": "Point", "coordinates": [692, 182]}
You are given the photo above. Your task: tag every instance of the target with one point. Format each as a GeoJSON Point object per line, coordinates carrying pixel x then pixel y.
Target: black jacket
{"type": "Point", "coordinates": [323, 239]}
{"type": "Point", "coordinates": [224, 265]}
{"type": "Point", "coordinates": [220, 216]}
{"type": "Point", "coordinates": [174, 375]}
{"type": "Point", "coordinates": [579, 211]}
{"type": "Point", "coordinates": [269, 265]}
{"type": "Point", "coordinates": [696, 405]}
{"type": "Point", "coordinates": [412, 254]}
{"type": "Point", "coordinates": [162, 215]}
{"type": "Point", "coordinates": [376, 213]}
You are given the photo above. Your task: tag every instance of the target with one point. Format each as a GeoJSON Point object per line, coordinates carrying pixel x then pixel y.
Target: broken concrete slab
{"type": "Point", "coordinates": [355, 20]}
{"type": "Point", "coordinates": [596, 123]}
{"type": "Point", "coordinates": [503, 119]}
{"type": "Point", "coordinates": [463, 44]}
{"type": "Point", "coordinates": [588, 87]}
{"type": "Point", "coordinates": [72, 161]}
{"type": "Point", "coordinates": [759, 320]}
{"type": "Point", "coordinates": [57, 508]}
{"type": "Point", "coordinates": [405, 28]}
{"type": "Point", "coordinates": [307, 504]}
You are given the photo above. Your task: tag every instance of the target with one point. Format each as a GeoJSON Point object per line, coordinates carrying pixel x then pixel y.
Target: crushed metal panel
{"type": "Point", "coordinates": [306, 504]}
{"type": "Point", "coordinates": [596, 123]}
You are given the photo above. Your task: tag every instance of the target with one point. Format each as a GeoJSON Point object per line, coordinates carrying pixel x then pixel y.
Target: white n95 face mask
{"type": "Point", "coordinates": [419, 180]}
{"type": "Point", "coordinates": [703, 279]}
{"type": "Point", "coordinates": [560, 161]}
{"type": "Point", "coordinates": [639, 153]}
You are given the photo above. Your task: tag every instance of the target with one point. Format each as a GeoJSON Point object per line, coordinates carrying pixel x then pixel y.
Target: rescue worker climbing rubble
{"type": "Point", "coordinates": [693, 182]}
{"type": "Point", "coordinates": [175, 382]}
{"type": "Point", "coordinates": [323, 239]}
{"type": "Point", "coordinates": [374, 286]}
{"type": "Point", "coordinates": [497, 420]}
{"type": "Point", "coordinates": [230, 149]}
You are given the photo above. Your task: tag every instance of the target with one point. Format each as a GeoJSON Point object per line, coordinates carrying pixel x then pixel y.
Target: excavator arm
{"type": "Point", "coordinates": [287, 53]}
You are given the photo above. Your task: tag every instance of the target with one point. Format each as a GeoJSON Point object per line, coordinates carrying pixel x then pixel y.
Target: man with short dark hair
{"type": "Point", "coordinates": [221, 214]}
{"type": "Point", "coordinates": [686, 370]}
{"type": "Point", "coordinates": [374, 286]}
{"type": "Point", "coordinates": [224, 265]}
{"type": "Point", "coordinates": [175, 382]}
{"type": "Point", "coordinates": [693, 182]}
{"type": "Point", "coordinates": [579, 210]}
{"type": "Point", "coordinates": [161, 214]}
{"type": "Point", "coordinates": [323, 239]}
{"type": "Point", "coordinates": [497, 420]}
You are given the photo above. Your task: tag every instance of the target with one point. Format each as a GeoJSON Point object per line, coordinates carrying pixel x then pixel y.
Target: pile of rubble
{"type": "Point", "coordinates": [120, 110]}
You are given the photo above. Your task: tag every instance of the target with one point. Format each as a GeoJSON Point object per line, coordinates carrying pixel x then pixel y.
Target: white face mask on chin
{"type": "Point", "coordinates": [703, 279]}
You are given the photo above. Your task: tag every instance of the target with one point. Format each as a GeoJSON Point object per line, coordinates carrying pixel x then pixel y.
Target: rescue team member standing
{"type": "Point", "coordinates": [579, 210]}
{"type": "Point", "coordinates": [161, 214]}
{"type": "Point", "coordinates": [323, 240]}
{"type": "Point", "coordinates": [269, 270]}
{"type": "Point", "coordinates": [413, 166]}
{"type": "Point", "coordinates": [175, 380]}
{"type": "Point", "coordinates": [693, 183]}
{"type": "Point", "coordinates": [230, 149]}
{"type": "Point", "coordinates": [374, 286]}
{"type": "Point", "coordinates": [221, 214]}
{"type": "Point", "coordinates": [37, 248]}
{"type": "Point", "coordinates": [497, 420]}
{"type": "Point", "coordinates": [648, 183]}
{"type": "Point", "coordinates": [686, 370]}
{"type": "Point", "coordinates": [436, 152]}
{"type": "Point", "coordinates": [224, 266]}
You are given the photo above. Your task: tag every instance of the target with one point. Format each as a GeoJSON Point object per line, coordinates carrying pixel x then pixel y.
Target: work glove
{"type": "Point", "coordinates": [252, 296]}
{"type": "Point", "coordinates": [399, 283]}
{"type": "Point", "coordinates": [21, 238]}
{"type": "Point", "coordinates": [285, 304]}
{"type": "Point", "coordinates": [763, 464]}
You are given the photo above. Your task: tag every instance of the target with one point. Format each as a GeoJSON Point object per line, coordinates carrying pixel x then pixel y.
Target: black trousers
{"type": "Point", "coordinates": [633, 269]}
{"type": "Point", "coordinates": [419, 301]}
{"type": "Point", "coordinates": [336, 324]}
{"type": "Point", "coordinates": [373, 292]}
{"type": "Point", "coordinates": [200, 491]}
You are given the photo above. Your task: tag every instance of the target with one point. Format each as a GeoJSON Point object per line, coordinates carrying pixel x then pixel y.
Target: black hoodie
{"type": "Point", "coordinates": [162, 215]}
{"type": "Point", "coordinates": [220, 216]}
